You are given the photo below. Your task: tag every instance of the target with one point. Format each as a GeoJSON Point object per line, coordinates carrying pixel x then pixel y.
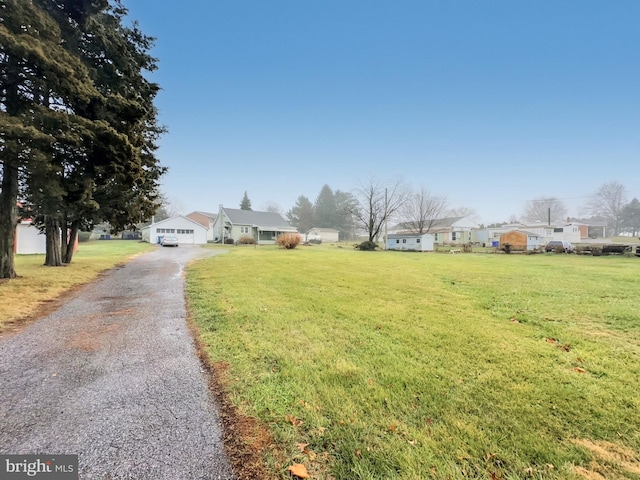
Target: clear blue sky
{"type": "Point", "coordinates": [491, 103]}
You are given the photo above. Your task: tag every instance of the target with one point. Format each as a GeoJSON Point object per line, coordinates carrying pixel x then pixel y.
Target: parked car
{"type": "Point", "coordinates": [559, 246]}
{"type": "Point", "coordinates": [169, 241]}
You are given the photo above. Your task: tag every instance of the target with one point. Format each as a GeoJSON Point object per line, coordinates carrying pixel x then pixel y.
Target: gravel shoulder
{"type": "Point", "coordinates": [113, 376]}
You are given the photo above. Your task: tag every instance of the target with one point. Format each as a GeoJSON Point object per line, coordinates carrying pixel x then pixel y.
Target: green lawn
{"type": "Point", "coordinates": [409, 366]}
{"type": "Point", "coordinates": [37, 285]}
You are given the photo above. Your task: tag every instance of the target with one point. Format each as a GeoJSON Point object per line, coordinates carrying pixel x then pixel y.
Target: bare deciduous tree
{"type": "Point", "coordinates": [544, 209]}
{"type": "Point", "coordinates": [608, 202]}
{"type": "Point", "coordinates": [376, 202]}
{"type": "Point", "coordinates": [271, 207]}
{"type": "Point", "coordinates": [421, 210]}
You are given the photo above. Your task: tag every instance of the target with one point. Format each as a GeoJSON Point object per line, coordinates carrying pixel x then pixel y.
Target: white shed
{"type": "Point", "coordinates": [317, 234]}
{"type": "Point", "coordinates": [29, 239]}
{"type": "Point", "coordinates": [410, 241]}
{"type": "Point", "coordinates": [188, 231]}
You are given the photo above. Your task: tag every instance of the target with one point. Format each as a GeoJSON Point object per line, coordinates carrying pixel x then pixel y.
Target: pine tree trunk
{"type": "Point", "coordinates": [9, 192]}
{"type": "Point", "coordinates": [69, 241]}
{"type": "Point", "coordinates": [53, 257]}
{"type": "Point", "coordinates": [8, 219]}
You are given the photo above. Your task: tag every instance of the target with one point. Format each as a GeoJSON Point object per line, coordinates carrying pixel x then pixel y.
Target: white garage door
{"type": "Point", "coordinates": [185, 236]}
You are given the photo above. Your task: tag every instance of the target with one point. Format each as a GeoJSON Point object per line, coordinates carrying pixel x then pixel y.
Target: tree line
{"type": "Point", "coordinates": [373, 203]}
{"type": "Point", "coordinates": [78, 124]}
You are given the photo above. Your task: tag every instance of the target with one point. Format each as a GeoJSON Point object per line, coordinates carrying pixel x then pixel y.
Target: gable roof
{"type": "Point", "coordinates": [258, 219]}
{"type": "Point", "coordinates": [325, 229]}
{"type": "Point", "coordinates": [166, 220]}
{"type": "Point", "coordinates": [212, 216]}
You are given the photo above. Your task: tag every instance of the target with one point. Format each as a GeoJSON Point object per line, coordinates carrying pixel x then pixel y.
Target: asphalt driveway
{"type": "Point", "coordinates": [113, 377]}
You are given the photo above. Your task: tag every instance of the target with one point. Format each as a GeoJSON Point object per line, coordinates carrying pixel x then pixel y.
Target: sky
{"type": "Point", "coordinates": [489, 103]}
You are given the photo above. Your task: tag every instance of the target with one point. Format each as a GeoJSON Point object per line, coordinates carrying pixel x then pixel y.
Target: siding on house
{"type": "Point", "coordinates": [264, 227]}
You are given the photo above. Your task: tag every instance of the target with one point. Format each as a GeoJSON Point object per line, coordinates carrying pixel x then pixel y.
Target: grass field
{"type": "Point", "coordinates": [38, 285]}
{"type": "Point", "coordinates": [388, 365]}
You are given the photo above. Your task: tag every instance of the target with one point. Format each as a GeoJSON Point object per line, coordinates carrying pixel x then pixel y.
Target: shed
{"type": "Point", "coordinates": [29, 240]}
{"type": "Point", "coordinates": [188, 231]}
{"type": "Point", "coordinates": [318, 234]}
{"type": "Point", "coordinates": [420, 242]}
{"type": "Point", "coordinates": [520, 240]}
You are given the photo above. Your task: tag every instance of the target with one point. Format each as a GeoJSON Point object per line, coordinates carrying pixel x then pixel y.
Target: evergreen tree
{"type": "Point", "coordinates": [245, 203]}
{"type": "Point", "coordinates": [325, 208]}
{"type": "Point", "coordinates": [38, 79]}
{"type": "Point", "coordinates": [345, 204]}
{"type": "Point", "coordinates": [301, 215]}
{"type": "Point", "coordinates": [631, 217]}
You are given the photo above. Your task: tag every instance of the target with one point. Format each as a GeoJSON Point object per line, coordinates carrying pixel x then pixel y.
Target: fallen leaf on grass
{"type": "Point", "coordinates": [293, 420]}
{"type": "Point", "coordinates": [393, 427]}
{"type": "Point", "coordinates": [566, 347]}
{"type": "Point", "coordinates": [579, 370]}
{"type": "Point", "coordinates": [299, 470]}
{"type": "Point", "coordinates": [552, 340]}
{"type": "Point", "coordinates": [302, 446]}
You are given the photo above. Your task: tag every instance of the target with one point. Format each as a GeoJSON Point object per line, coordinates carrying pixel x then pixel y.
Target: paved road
{"type": "Point", "coordinates": [113, 376]}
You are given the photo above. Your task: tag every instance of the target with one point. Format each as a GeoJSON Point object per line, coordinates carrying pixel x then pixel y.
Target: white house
{"type": "Point", "coordinates": [188, 231]}
{"type": "Point", "coordinates": [569, 232]}
{"type": "Point", "coordinates": [410, 241]}
{"type": "Point", "coordinates": [317, 234]}
{"type": "Point", "coordinates": [232, 224]}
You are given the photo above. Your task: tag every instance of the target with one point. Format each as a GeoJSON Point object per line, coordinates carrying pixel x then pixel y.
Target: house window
{"type": "Point", "coordinates": [166, 230]}
{"type": "Point", "coordinates": [184, 231]}
{"type": "Point", "coordinates": [397, 240]}
{"type": "Point", "coordinates": [435, 237]}
{"type": "Point", "coordinates": [453, 236]}
{"type": "Point", "coordinates": [417, 240]}
{"type": "Point", "coordinates": [244, 229]}
{"type": "Point", "coordinates": [558, 230]}
{"type": "Point", "coordinates": [404, 240]}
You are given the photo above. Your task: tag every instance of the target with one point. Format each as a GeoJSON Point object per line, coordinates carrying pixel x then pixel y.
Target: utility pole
{"type": "Point", "coordinates": [386, 203]}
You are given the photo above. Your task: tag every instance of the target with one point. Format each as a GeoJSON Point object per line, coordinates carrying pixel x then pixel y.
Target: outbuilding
{"type": "Point", "coordinates": [519, 241]}
{"type": "Point", "coordinates": [189, 231]}
{"type": "Point", "coordinates": [419, 242]}
{"type": "Point", "coordinates": [323, 235]}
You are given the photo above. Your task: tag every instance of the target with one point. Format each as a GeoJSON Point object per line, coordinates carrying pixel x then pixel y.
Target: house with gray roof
{"type": "Point", "coordinates": [264, 227]}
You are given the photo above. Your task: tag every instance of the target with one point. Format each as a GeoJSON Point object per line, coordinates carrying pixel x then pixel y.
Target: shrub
{"type": "Point", "coordinates": [288, 240]}
{"type": "Point", "coordinates": [367, 245]}
{"type": "Point", "coordinates": [247, 240]}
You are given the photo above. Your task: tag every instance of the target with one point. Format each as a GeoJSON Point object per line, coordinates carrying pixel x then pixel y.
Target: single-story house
{"type": "Point", "coordinates": [323, 235]}
{"type": "Point", "coordinates": [520, 241]}
{"type": "Point", "coordinates": [205, 219]}
{"type": "Point", "coordinates": [189, 231]}
{"type": "Point", "coordinates": [410, 241]}
{"type": "Point", "coordinates": [450, 230]}
{"type": "Point", "coordinates": [263, 227]}
{"type": "Point", "coordinates": [29, 240]}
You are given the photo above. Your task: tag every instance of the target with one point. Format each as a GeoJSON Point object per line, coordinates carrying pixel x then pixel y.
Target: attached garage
{"type": "Point", "coordinates": [189, 232]}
